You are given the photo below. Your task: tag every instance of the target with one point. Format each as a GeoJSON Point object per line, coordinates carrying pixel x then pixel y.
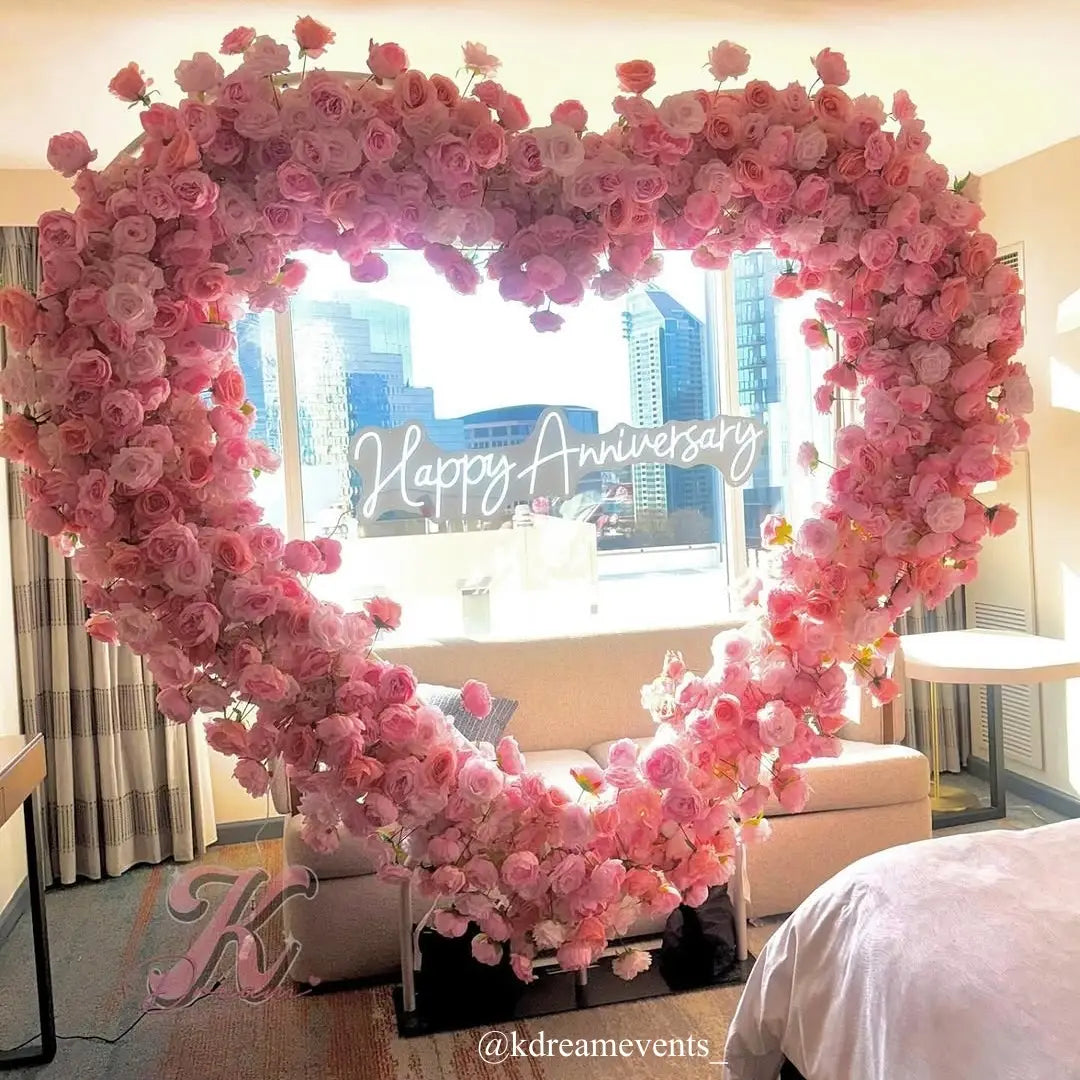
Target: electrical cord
{"type": "Point", "coordinates": [115, 1039]}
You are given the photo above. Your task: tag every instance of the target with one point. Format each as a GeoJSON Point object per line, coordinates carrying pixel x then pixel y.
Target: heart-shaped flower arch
{"type": "Point", "coordinates": [135, 434]}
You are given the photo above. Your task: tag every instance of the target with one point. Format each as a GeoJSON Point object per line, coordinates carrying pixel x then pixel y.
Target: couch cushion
{"type": "Point", "coordinates": [349, 860]}
{"type": "Point", "coordinates": [865, 774]}
{"type": "Point", "coordinates": [555, 765]}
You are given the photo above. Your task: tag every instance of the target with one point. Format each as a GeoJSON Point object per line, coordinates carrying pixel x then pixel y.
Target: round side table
{"type": "Point", "coordinates": [990, 658]}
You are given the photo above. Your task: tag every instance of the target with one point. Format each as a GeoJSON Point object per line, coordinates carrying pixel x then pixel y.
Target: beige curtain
{"type": "Point", "coordinates": [953, 712]}
{"type": "Point", "coordinates": [124, 785]}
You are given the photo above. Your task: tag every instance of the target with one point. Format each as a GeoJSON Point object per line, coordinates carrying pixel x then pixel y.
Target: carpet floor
{"type": "Point", "coordinates": [106, 936]}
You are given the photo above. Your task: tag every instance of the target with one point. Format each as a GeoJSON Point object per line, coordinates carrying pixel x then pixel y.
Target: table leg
{"type": "Point", "coordinates": [737, 891]}
{"type": "Point", "coordinates": [405, 931]}
{"type": "Point", "coordinates": [995, 737]}
{"type": "Point", "coordinates": [46, 1051]}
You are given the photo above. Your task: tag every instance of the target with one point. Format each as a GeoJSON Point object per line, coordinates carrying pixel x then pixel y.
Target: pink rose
{"type": "Point", "coordinates": [776, 724]}
{"type": "Point", "coordinates": [664, 765]}
{"type": "Point", "coordinates": [69, 153]}
{"type": "Point", "coordinates": [130, 306]}
{"type": "Point", "coordinates": [682, 114]}
{"type": "Point", "coordinates": [136, 467]}
{"type": "Point", "coordinates": [199, 75]}
{"type": "Point", "coordinates": [945, 513]}
{"type": "Point", "coordinates": [478, 60]}
{"type": "Point", "coordinates": [568, 876]}
{"type": "Point", "coordinates": [476, 698]}
{"type": "Point", "coordinates": [635, 76]}
{"type": "Point", "coordinates": [631, 963]}
{"type": "Point", "coordinates": [512, 113]}
{"type": "Point", "coordinates": [521, 872]}
{"type": "Point", "coordinates": [571, 113]}
{"type": "Point", "coordinates": [134, 234]}
{"type": "Point", "coordinates": [312, 36]}
{"type": "Point", "coordinates": [263, 683]}
{"type": "Point", "coordinates": [546, 321]}
{"type": "Point", "coordinates": [397, 685]}
{"type": "Point", "coordinates": [197, 623]}
{"type": "Point", "coordinates": [683, 803]}
{"type": "Point", "coordinates": [486, 951]}
{"type": "Point", "coordinates": [831, 67]}
{"type": "Point", "coordinates": [479, 780]}
{"type": "Point", "coordinates": [302, 556]}
{"type": "Point", "coordinates": [384, 612]}
{"type": "Point", "coordinates": [173, 703]}
{"type": "Point", "coordinates": [129, 84]}
{"type": "Point", "coordinates": [386, 61]}
{"type": "Point", "coordinates": [102, 627]}
{"type": "Point", "coordinates": [509, 756]}
{"type": "Point", "coordinates": [397, 724]}
{"type": "Point", "coordinates": [1002, 518]}
{"type": "Point", "coordinates": [264, 56]}
{"type": "Point", "coordinates": [877, 248]}
{"type": "Point", "coordinates": [728, 60]}
{"type": "Point", "coordinates": [819, 537]}
{"type": "Point", "coordinates": [791, 789]}
{"type": "Point", "coordinates": [237, 41]}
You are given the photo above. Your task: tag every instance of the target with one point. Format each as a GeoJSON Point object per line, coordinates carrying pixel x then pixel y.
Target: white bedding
{"type": "Point", "coordinates": [949, 959]}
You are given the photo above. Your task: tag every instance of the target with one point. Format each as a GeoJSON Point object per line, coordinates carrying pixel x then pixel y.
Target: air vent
{"type": "Point", "coordinates": [1021, 720]}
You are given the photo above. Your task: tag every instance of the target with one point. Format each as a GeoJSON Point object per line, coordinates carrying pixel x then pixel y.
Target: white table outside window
{"type": "Point", "coordinates": [993, 659]}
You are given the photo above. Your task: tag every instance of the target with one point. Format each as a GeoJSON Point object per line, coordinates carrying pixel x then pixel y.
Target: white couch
{"type": "Point", "coordinates": [575, 696]}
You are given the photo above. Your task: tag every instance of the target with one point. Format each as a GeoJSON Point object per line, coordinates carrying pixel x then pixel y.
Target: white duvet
{"type": "Point", "coordinates": [950, 959]}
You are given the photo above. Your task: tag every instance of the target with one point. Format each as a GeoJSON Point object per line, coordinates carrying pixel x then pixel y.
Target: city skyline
{"type": "Point", "coordinates": [360, 363]}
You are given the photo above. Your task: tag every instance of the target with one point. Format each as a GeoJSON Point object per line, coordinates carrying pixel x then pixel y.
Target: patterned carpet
{"type": "Point", "coordinates": [105, 937]}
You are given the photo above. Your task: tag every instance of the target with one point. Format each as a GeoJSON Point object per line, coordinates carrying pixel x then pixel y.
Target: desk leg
{"type": "Point", "coordinates": [995, 737]}
{"type": "Point", "coordinates": [43, 1054]}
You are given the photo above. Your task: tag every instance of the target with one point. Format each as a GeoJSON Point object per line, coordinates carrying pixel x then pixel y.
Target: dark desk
{"type": "Point", "coordinates": [22, 769]}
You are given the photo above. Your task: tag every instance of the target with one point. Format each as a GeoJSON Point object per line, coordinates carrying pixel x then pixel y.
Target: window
{"type": "Point", "coordinates": [647, 544]}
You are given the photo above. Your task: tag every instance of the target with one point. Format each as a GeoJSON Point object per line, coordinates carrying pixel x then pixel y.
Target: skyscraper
{"type": "Point", "coordinates": [671, 378]}
{"type": "Point", "coordinates": [256, 356]}
{"type": "Point", "coordinates": [512, 424]}
{"type": "Point", "coordinates": [759, 372]}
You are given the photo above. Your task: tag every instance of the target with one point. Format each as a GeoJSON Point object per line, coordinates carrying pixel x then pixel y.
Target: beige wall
{"type": "Point", "coordinates": [25, 194]}
{"type": "Point", "coordinates": [1035, 202]}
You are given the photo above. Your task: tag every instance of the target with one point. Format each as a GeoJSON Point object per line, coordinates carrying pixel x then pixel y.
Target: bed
{"type": "Point", "coordinates": [956, 958]}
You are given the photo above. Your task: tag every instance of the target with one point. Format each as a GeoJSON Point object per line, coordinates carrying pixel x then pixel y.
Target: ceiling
{"type": "Point", "coordinates": [995, 80]}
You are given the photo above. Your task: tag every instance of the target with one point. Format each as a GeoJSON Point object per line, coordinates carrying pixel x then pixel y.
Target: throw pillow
{"type": "Point", "coordinates": [448, 699]}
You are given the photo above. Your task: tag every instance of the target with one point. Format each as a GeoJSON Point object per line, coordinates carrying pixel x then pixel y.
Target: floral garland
{"type": "Point", "coordinates": [135, 434]}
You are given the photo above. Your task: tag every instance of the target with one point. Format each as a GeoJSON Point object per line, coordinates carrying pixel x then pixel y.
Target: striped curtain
{"type": "Point", "coordinates": [953, 706]}
{"type": "Point", "coordinates": [124, 785]}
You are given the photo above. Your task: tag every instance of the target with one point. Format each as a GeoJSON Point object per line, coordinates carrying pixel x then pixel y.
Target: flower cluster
{"type": "Point", "coordinates": [136, 436]}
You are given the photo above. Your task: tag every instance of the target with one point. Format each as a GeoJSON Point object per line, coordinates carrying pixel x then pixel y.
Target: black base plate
{"type": "Point", "coordinates": [552, 992]}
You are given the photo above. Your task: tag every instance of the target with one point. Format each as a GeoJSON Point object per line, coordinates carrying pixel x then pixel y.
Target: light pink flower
{"type": "Point", "coordinates": [728, 60]}
{"type": "Point", "coordinates": [130, 84]}
{"type": "Point", "coordinates": [831, 67]}
{"type": "Point", "coordinates": [476, 697]}
{"type": "Point", "coordinates": [478, 60]}
{"type": "Point", "coordinates": [236, 41]}
{"type": "Point", "coordinates": [199, 75]}
{"type": "Point", "coordinates": [945, 513]}
{"type": "Point", "coordinates": [312, 36]}
{"type": "Point", "coordinates": [635, 76]}
{"type": "Point", "coordinates": [386, 61]}
{"type": "Point", "coordinates": [69, 152]}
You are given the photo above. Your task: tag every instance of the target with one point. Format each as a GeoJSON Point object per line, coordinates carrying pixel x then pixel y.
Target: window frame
{"type": "Point", "coordinates": [721, 309]}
